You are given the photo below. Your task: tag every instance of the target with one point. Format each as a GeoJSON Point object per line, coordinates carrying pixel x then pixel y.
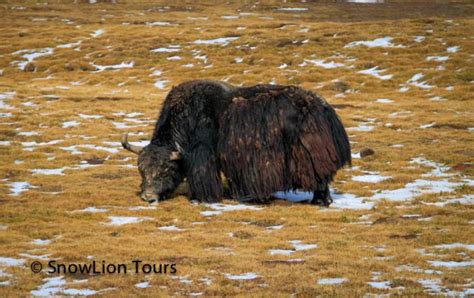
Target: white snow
{"type": "Point", "coordinates": [456, 245]}
{"type": "Point", "coordinates": [419, 38]}
{"type": "Point", "coordinates": [415, 81]}
{"type": "Point", "coordinates": [97, 33]}
{"type": "Point", "coordinates": [122, 65]}
{"type": "Point", "coordinates": [453, 49]}
{"type": "Point", "coordinates": [40, 242]}
{"type": "Point", "coordinates": [92, 209]}
{"type": "Point", "coordinates": [323, 64]}
{"type": "Point", "coordinates": [124, 220]}
{"type": "Point", "coordinates": [437, 58]}
{"type": "Point", "coordinates": [243, 276]}
{"type": "Point", "coordinates": [297, 246]}
{"type": "Point", "coordinates": [59, 171]}
{"type": "Point", "coordinates": [293, 9]}
{"type": "Point", "coordinates": [376, 72]}
{"type": "Point", "coordinates": [379, 284]}
{"type": "Point", "coordinates": [417, 188]}
{"type": "Point", "coordinates": [31, 55]}
{"type": "Point", "coordinates": [160, 84]}
{"type": "Point", "coordinates": [68, 124]}
{"type": "Point", "coordinates": [331, 281]}
{"type": "Point", "coordinates": [370, 178]}
{"type": "Point", "coordinates": [18, 187]}
{"type": "Point", "coordinates": [451, 264]}
{"type": "Point", "coordinates": [69, 45]}
{"type": "Point", "coordinates": [384, 100]}
{"type": "Point", "coordinates": [174, 58]}
{"type": "Point", "coordinates": [11, 262]}
{"type": "Point", "coordinates": [219, 208]}
{"type": "Point", "coordinates": [385, 42]}
{"type": "Point", "coordinates": [158, 23]}
{"type": "Point", "coordinates": [169, 49]}
{"type": "Point", "coordinates": [170, 228]}
{"type": "Point", "coordinates": [85, 116]}
{"type": "Point", "coordinates": [424, 126]}
{"type": "Point", "coordinates": [142, 285]}
{"type": "Point", "coordinates": [223, 41]}
{"type": "Point", "coordinates": [362, 127]}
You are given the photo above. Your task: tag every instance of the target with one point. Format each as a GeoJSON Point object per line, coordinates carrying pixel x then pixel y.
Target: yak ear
{"type": "Point", "coordinates": [175, 155]}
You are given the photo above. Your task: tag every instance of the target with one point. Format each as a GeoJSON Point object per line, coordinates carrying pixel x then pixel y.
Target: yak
{"type": "Point", "coordinates": [262, 139]}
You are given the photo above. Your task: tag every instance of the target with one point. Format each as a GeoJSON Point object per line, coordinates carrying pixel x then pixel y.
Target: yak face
{"type": "Point", "coordinates": [160, 174]}
{"type": "Point", "coordinates": [159, 169]}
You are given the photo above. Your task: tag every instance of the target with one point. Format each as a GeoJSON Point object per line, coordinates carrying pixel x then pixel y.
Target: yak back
{"type": "Point", "coordinates": [277, 138]}
{"type": "Point", "coordinates": [191, 111]}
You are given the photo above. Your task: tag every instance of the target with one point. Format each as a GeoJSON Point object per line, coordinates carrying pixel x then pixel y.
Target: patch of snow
{"type": "Point", "coordinates": [40, 242]}
{"type": "Point", "coordinates": [124, 220]}
{"type": "Point", "coordinates": [92, 209]}
{"type": "Point", "coordinates": [11, 262]}
{"type": "Point", "coordinates": [451, 264]}
{"type": "Point", "coordinates": [222, 41]}
{"type": "Point", "coordinates": [97, 33]}
{"type": "Point", "coordinates": [456, 245]}
{"type": "Point", "coordinates": [68, 124]}
{"type": "Point", "coordinates": [437, 58]}
{"type": "Point", "coordinates": [219, 208]}
{"type": "Point", "coordinates": [331, 281]}
{"type": "Point", "coordinates": [169, 49]}
{"type": "Point", "coordinates": [371, 178]}
{"type": "Point", "coordinates": [158, 23]}
{"type": "Point", "coordinates": [385, 42]}
{"type": "Point", "coordinates": [376, 72]}
{"type": "Point", "coordinates": [160, 84]}
{"type": "Point", "coordinates": [419, 38]}
{"type": "Point", "coordinates": [323, 64]}
{"type": "Point", "coordinates": [293, 9]}
{"type": "Point", "coordinates": [142, 285]}
{"type": "Point", "coordinates": [100, 68]}
{"type": "Point", "coordinates": [415, 81]}
{"type": "Point", "coordinates": [85, 116]}
{"type": "Point", "coordinates": [243, 276]}
{"type": "Point", "coordinates": [170, 228]}
{"type": "Point", "coordinates": [30, 56]}
{"type": "Point", "coordinates": [453, 49]}
{"type": "Point", "coordinates": [59, 171]}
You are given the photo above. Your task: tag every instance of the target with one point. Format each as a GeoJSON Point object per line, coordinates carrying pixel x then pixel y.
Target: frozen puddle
{"type": "Point", "coordinates": [243, 276]}
{"type": "Point", "coordinates": [376, 72]}
{"type": "Point", "coordinates": [384, 42]}
{"type": "Point", "coordinates": [217, 41]}
{"type": "Point", "coordinates": [125, 220]}
{"type": "Point", "coordinates": [219, 208]}
{"type": "Point", "coordinates": [30, 56]}
{"type": "Point", "coordinates": [297, 246]}
{"type": "Point", "coordinates": [331, 281]}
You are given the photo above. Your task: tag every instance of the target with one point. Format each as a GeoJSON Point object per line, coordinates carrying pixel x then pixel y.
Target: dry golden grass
{"type": "Point", "coordinates": [352, 244]}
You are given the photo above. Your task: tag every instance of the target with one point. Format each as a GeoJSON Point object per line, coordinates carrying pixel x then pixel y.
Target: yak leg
{"type": "Point", "coordinates": [203, 175]}
{"type": "Point", "coordinates": [321, 195]}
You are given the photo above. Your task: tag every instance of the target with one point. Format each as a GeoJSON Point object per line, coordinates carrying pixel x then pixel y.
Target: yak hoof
{"type": "Point", "coordinates": [323, 202]}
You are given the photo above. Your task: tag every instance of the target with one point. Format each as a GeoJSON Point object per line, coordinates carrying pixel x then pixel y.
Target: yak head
{"type": "Point", "coordinates": [159, 168]}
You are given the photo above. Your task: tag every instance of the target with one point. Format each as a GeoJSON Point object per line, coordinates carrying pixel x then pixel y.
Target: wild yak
{"type": "Point", "coordinates": [263, 138]}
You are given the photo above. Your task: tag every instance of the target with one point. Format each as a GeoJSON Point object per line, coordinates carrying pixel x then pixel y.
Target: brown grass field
{"type": "Point", "coordinates": [74, 77]}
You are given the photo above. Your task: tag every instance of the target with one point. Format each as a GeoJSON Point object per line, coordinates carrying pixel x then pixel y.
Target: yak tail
{"type": "Point", "coordinates": [340, 139]}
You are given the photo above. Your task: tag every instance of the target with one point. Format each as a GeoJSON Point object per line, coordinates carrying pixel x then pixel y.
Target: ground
{"type": "Point", "coordinates": [74, 77]}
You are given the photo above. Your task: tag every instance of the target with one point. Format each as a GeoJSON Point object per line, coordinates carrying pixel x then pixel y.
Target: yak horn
{"type": "Point", "coordinates": [128, 146]}
{"type": "Point", "coordinates": [175, 155]}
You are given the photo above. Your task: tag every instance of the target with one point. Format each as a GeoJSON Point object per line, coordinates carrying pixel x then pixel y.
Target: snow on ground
{"type": "Point", "coordinates": [384, 42]}
{"type": "Point", "coordinates": [97, 33]}
{"type": "Point", "coordinates": [331, 281]}
{"type": "Point", "coordinates": [125, 220]}
{"type": "Point", "coordinates": [376, 72]}
{"type": "Point", "coordinates": [18, 187]}
{"type": "Point", "coordinates": [370, 178]}
{"type": "Point", "coordinates": [40, 241]}
{"type": "Point", "coordinates": [100, 68]}
{"type": "Point", "coordinates": [169, 49]}
{"type": "Point", "coordinates": [219, 208]}
{"type": "Point", "coordinates": [30, 56]}
{"type": "Point", "coordinates": [297, 246]}
{"type": "Point", "coordinates": [243, 276]}
{"type": "Point", "coordinates": [171, 228]}
{"type": "Point", "coordinates": [160, 84]}
{"type": "Point", "coordinates": [143, 285]}
{"type": "Point", "coordinates": [414, 80]}
{"type": "Point", "coordinates": [11, 262]}
{"type": "Point", "coordinates": [222, 41]}
{"type": "Point", "coordinates": [323, 64]}
{"type": "Point", "coordinates": [384, 100]}
{"type": "Point", "coordinates": [56, 286]}
{"type": "Point", "coordinates": [92, 209]}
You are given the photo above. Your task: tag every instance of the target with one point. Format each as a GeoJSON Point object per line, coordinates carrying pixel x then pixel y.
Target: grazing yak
{"type": "Point", "coordinates": [263, 138]}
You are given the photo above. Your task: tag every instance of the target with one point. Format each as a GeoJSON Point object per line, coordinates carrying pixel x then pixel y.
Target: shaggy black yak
{"type": "Point", "coordinates": [263, 138]}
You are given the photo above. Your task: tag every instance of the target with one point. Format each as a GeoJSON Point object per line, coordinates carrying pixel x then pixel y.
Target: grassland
{"type": "Point", "coordinates": [74, 77]}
